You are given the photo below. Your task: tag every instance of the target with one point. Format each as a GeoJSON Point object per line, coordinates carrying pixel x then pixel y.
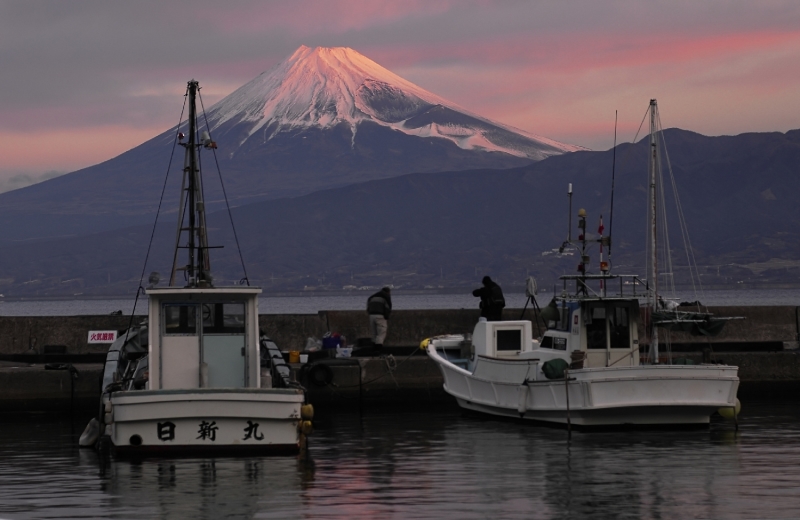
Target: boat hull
{"type": "Point", "coordinates": [207, 421]}
{"type": "Point", "coordinates": [648, 395]}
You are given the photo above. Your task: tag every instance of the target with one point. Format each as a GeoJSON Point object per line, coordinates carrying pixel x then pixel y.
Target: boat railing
{"type": "Point", "coordinates": [628, 284]}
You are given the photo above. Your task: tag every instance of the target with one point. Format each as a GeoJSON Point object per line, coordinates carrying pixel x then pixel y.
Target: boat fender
{"type": "Point", "coordinates": [522, 394]}
{"type": "Point", "coordinates": [320, 374]}
{"type": "Point", "coordinates": [306, 427]}
{"type": "Point", "coordinates": [307, 412]}
{"type": "Point", "coordinates": [90, 434]}
{"type": "Point", "coordinates": [729, 412]}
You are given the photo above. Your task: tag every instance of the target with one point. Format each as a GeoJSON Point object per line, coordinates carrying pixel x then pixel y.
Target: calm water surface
{"type": "Point", "coordinates": [437, 464]}
{"type": "Point", "coordinates": [311, 304]}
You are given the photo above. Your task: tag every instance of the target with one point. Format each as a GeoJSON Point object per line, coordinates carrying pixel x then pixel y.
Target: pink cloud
{"type": "Point", "coordinates": [325, 16]}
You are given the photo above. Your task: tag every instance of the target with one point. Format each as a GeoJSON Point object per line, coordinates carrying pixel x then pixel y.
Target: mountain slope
{"type": "Point", "coordinates": [451, 228]}
{"type": "Point", "coordinates": [320, 119]}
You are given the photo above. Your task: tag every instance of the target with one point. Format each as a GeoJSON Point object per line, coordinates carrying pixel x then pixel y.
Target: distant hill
{"type": "Point", "coordinates": [449, 229]}
{"type": "Point", "coordinates": [322, 118]}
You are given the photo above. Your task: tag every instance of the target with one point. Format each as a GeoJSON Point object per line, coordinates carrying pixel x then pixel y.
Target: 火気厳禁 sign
{"type": "Point", "coordinates": [102, 336]}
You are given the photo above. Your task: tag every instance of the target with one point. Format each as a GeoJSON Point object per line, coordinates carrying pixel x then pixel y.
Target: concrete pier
{"type": "Point", "coordinates": [763, 346]}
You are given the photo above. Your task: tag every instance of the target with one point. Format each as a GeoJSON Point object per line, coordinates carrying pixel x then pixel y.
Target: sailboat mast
{"type": "Point", "coordinates": [653, 275]}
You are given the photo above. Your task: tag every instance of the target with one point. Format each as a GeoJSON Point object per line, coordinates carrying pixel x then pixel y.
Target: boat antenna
{"type": "Point", "coordinates": [197, 270]}
{"type": "Point", "coordinates": [569, 221]}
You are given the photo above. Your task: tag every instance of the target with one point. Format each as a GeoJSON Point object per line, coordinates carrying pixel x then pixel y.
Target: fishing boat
{"type": "Point", "coordinates": [587, 368]}
{"type": "Point", "coordinates": [197, 376]}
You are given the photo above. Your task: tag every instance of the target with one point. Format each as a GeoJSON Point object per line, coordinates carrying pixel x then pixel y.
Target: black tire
{"type": "Point", "coordinates": [320, 374]}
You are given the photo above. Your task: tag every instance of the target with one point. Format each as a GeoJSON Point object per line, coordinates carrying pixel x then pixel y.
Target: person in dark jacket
{"type": "Point", "coordinates": [379, 307]}
{"type": "Point", "coordinates": [492, 301]}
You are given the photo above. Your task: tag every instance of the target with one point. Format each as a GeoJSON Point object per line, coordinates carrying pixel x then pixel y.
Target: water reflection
{"type": "Point", "coordinates": [421, 465]}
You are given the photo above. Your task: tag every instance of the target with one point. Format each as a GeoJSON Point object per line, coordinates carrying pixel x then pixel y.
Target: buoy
{"type": "Point", "coordinates": [522, 397]}
{"type": "Point", "coordinates": [90, 434]}
{"type": "Point", "coordinates": [729, 412]}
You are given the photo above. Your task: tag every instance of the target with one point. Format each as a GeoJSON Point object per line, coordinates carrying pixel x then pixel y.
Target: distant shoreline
{"type": "Point", "coordinates": [408, 292]}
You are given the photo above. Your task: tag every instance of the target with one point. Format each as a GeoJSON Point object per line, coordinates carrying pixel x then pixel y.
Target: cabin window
{"type": "Point", "coordinates": [180, 319]}
{"type": "Point", "coordinates": [223, 318]}
{"type": "Point", "coordinates": [553, 343]}
{"type": "Point", "coordinates": [509, 339]}
{"type": "Point", "coordinates": [619, 328]}
{"type": "Point", "coordinates": [596, 328]}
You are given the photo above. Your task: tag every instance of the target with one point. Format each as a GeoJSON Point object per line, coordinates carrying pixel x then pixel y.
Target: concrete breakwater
{"type": "Point", "coordinates": [764, 328]}
{"type": "Point", "coordinates": [763, 346]}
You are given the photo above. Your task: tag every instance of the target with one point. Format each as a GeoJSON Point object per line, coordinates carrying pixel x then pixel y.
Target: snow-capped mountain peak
{"type": "Point", "coordinates": [325, 87]}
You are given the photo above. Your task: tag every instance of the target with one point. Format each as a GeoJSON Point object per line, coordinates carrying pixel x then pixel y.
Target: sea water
{"type": "Point", "coordinates": [423, 463]}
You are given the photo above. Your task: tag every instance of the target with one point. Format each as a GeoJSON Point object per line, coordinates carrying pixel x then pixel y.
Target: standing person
{"type": "Point", "coordinates": [379, 307]}
{"type": "Point", "coordinates": [492, 301]}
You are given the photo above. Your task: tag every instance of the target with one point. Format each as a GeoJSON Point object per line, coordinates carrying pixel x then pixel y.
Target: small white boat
{"type": "Point", "coordinates": [585, 369]}
{"type": "Point", "coordinates": [197, 376]}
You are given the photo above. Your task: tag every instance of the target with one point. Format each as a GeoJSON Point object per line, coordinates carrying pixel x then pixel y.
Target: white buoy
{"type": "Point", "coordinates": [90, 434]}
{"type": "Point", "coordinates": [522, 396]}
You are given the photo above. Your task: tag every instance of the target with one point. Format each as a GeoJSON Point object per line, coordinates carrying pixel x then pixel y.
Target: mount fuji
{"type": "Point", "coordinates": [324, 88]}
{"type": "Point", "coordinates": [322, 118]}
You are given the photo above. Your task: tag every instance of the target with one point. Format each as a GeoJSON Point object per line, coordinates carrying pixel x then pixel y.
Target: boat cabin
{"type": "Point", "coordinates": [606, 329]}
{"type": "Point", "coordinates": [502, 339]}
{"type": "Point", "coordinates": [203, 338]}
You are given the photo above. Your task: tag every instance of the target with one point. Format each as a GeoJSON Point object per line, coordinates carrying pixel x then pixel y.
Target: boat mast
{"type": "Point", "coordinates": [192, 205]}
{"type": "Point", "coordinates": [653, 274]}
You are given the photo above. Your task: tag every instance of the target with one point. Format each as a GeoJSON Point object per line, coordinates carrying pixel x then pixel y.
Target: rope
{"type": "Point", "coordinates": [224, 193]}
{"type": "Point", "coordinates": [694, 272]}
{"type": "Point", "coordinates": [626, 355]}
{"type": "Point", "coordinates": [391, 365]}
{"type": "Point", "coordinates": [158, 212]}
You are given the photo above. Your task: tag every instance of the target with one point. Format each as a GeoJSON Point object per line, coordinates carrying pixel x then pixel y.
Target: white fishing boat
{"type": "Point", "coordinates": [586, 370]}
{"type": "Point", "coordinates": [198, 376]}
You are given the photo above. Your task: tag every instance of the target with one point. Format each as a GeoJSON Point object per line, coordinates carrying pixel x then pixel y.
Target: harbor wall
{"type": "Point", "coordinates": [26, 343]}
{"type": "Point", "coordinates": [36, 335]}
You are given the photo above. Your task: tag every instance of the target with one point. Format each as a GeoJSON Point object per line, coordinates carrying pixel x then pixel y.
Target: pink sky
{"type": "Point", "coordinates": [84, 81]}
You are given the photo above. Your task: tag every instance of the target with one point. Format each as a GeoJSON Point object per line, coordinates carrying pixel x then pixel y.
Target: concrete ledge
{"type": "Point", "coordinates": [32, 388]}
{"type": "Point", "coordinates": [379, 380]}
